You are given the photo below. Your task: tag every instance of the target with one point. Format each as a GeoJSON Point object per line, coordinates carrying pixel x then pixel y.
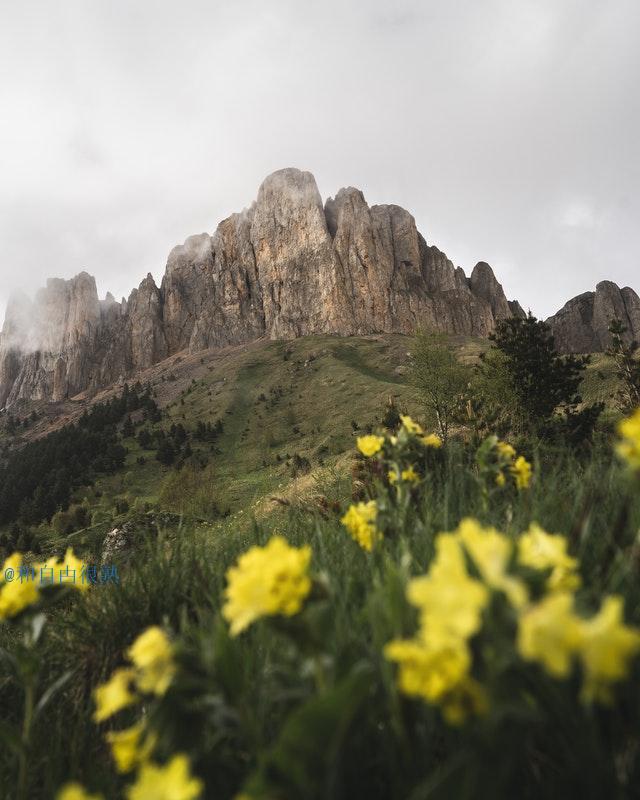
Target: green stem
{"type": "Point", "coordinates": [26, 735]}
{"type": "Point", "coordinates": [321, 683]}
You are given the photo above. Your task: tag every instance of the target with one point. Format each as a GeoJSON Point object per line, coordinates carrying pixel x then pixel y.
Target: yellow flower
{"type": "Point", "coordinates": [173, 781]}
{"type": "Point", "coordinates": [152, 654]}
{"type": "Point", "coordinates": [72, 568]}
{"type": "Point", "coordinates": [429, 671]}
{"type": "Point", "coordinates": [450, 601]}
{"type": "Point", "coordinates": [551, 634]}
{"type": "Point", "coordinates": [629, 447]}
{"type": "Point", "coordinates": [13, 562]}
{"type": "Point", "coordinates": [114, 695]}
{"type": "Point", "coordinates": [410, 475]}
{"type": "Point", "coordinates": [431, 440]}
{"type": "Point", "coordinates": [491, 553]}
{"type": "Point", "coordinates": [465, 700]}
{"type": "Point", "coordinates": [68, 571]}
{"type": "Point", "coordinates": [370, 445]}
{"type": "Point", "coordinates": [360, 522]}
{"type": "Point", "coordinates": [75, 791]}
{"type": "Point", "coordinates": [607, 646]}
{"type": "Point", "coordinates": [541, 550]}
{"type": "Point", "coordinates": [18, 593]}
{"type": "Point", "coordinates": [506, 450]}
{"type": "Point", "coordinates": [392, 475]}
{"type": "Point", "coordinates": [500, 479]}
{"type": "Point", "coordinates": [521, 471]}
{"type": "Point", "coordinates": [410, 426]}
{"type": "Point", "coordinates": [266, 580]}
{"type": "Point", "coordinates": [127, 747]}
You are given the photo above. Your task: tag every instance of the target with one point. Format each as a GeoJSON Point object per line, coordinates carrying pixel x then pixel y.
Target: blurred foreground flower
{"type": "Point", "coordinates": [266, 581]}
{"type": "Point", "coordinates": [75, 791]}
{"type": "Point", "coordinates": [130, 747]}
{"type": "Point", "coordinates": [370, 445]}
{"type": "Point", "coordinates": [629, 446]}
{"type": "Point", "coordinates": [114, 695]}
{"type": "Point", "coordinates": [16, 591]}
{"type": "Point", "coordinates": [540, 550]}
{"type": "Point", "coordinates": [152, 655]}
{"type": "Point", "coordinates": [173, 781]}
{"type": "Point", "coordinates": [360, 522]}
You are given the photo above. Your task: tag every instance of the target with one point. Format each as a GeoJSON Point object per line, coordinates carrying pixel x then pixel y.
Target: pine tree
{"type": "Point", "coordinates": [543, 379]}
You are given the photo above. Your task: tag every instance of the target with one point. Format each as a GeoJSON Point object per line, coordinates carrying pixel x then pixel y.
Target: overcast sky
{"type": "Point", "coordinates": [509, 129]}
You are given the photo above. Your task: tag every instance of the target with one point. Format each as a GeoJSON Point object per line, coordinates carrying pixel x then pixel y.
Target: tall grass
{"type": "Point", "coordinates": [243, 694]}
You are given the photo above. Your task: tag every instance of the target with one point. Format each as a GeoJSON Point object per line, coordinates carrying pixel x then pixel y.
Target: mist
{"type": "Point", "coordinates": [509, 130]}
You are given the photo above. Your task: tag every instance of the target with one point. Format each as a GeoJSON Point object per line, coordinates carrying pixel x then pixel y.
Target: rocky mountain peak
{"type": "Point", "coordinates": [483, 283]}
{"type": "Point", "coordinates": [286, 266]}
{"type": "Point", "coordinates": [582, 324]}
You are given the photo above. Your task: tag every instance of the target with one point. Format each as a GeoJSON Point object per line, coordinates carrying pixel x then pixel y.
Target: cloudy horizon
{"type": "Point", "coordinates": [509, 130]}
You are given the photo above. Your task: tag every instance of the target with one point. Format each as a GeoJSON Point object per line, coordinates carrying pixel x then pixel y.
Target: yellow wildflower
{"type": "Point", "coordinates": [465, 700]}
{"type": "Point", "coordinates": [521, 471]}
{"type": "Point", "coordinates": [360, 522]}
{"type": "Point", "coordinates": [114, 695]}
{"type": "Point", "coordinates": [152, 654]}
{"type": "Point", "coordinates": [607, 646]}
{"type": "Point", "coordinates": [491, 553]}
{"type": "Point", "coordinates": [506, 450]}
{"type": "Point", "coordinates": [500, 479]}
{"type": "Point", "coordinates": [18, 592]}
{"type": "Point", "coordinates": [629, 447]}
{"type": "Point", "coordinates": [410, 475]}
{"type": "Point", "coordinates": [72, 571]}
{"type": "Point", "coordinates": [392, 476]}
{"type": "Point", "coordinates": [75, 791]}
{"type": "Point", "coordinates": [13, 562]}
{"type": "Point", "coordinates": [173, 781]}
{"type": "Point", "coordinates": [551, 634]}
{"type": "Point", "coordinates": [410, 426]}
{"type": "Point", "coordinates": [128, 748]}
{"type": "Point", "coordinates": [541, 550]}
{"type": "Point", "coordinates": [450, 601]}
{"type": "Point", "coordinates": [370, 445]}
{"type": "Point", "coordinates": [266, 580]}
{"type": "Point", "coordinates": [431, 440]}
{"type": "Point", "coordinates": [429, 671]}
{"type": "Point", "coordinates": [68, 571]}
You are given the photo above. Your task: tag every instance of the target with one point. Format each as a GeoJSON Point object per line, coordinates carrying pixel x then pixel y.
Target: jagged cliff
{"type": "Point", "coordinates": [581, 325]}
{"type": "Point", "coordinates": [286, 267]}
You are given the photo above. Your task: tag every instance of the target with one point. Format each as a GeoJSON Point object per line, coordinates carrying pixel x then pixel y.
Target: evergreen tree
{"type": "Point", "coordinates": [543, 380]}
{"type": "Point", "coordinates": [543, 384]}
{"type": "Point", "coordinates": [128, 429]}
{"type": "Point", "coordinates": [166, 453]}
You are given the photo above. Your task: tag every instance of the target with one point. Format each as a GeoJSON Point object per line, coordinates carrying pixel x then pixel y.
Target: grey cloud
{"type": "Point", "coordinates": [510, 130]}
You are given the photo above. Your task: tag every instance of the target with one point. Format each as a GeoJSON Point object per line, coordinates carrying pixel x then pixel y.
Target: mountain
{"type": "Point", "coordinates": [284, 268]}
{"type": "Point", "coordinates": [581, 325]}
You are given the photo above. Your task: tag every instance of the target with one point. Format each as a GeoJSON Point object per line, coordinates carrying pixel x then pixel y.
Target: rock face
{"type": "Point", "coordinates": [286, 267]}
{"type": "Point", "coordinates": [581, 325]}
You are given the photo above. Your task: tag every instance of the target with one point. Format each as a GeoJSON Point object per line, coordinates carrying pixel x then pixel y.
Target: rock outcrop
{"type": "Point", "coordinates": [581, 325]}
{"type": "Point", "coordinates": [286, 267]}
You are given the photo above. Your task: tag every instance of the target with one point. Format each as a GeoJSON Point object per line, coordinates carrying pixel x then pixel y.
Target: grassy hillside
{"type": "Point", "coordinates": [275, 399]}
{"type": "Point", "coordinates": [314, 705]}
{"type": "Point", "coordinates": [289, 410]}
